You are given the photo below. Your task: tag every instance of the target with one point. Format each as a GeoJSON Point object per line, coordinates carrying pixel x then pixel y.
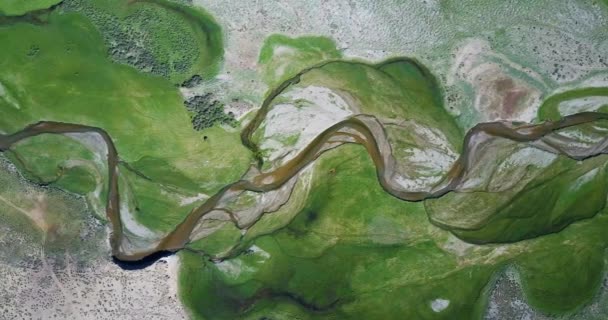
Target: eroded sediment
{"type": "Point", "coordinates": [361, 129]}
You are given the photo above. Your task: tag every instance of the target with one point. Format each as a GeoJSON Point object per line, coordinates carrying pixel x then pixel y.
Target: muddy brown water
{"type": "Point", "coordinates": [264, 182]}
{"type": "Point", "coordinates": [355, 129]}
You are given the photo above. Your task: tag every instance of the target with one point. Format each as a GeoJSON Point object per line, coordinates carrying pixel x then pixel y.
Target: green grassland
{"type": "Point", "coordinates": [77, 170]}
{"type": "Point", "coordinates": [348, 250]}
{"type": "Point", "coordinates": [558, 283]}
{"type": "Point", "coordinates": [395, 90]}
{"type": "Point", "coordinates": [60, 72]}
{"type": "Point", "coordinates": [570, 190]}
{"type": "Point", "coordinates": [282, 57]}
{"type": "Point", "coordinates": [157, 36]}
{"type": "Point", "coordinates": [156, 206]}
{"type": "Point", "coordinates": [20, 7]}
{"type": "Point", "coordinates": [562, 271]}
{"type": "Point", "coordinates": [549, 110]}
{"type": "Point", "coordinates": [343, 256]}
{"type": "Point", "coordinates": [220, 242]}
{"type": "Point", "coordinates": [342, 247]}
{"type": "Point", "coordinates": [44, 215]}
{"type": "Point", "coordinates": [354, 252]}
{"type": "Point", "coordinates": [143, 114]}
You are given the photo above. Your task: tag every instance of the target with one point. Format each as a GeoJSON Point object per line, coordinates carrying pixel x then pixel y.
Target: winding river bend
{"type": "Point", "coordinates": [366, 130]}
{"type": "Point", "coordinates": [361, 129]}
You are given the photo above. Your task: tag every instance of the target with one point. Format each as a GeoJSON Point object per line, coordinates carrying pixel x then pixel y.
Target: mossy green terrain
{"type": "Point", "coordinates": [20, 7]}
{"type": "Point", "coordinates": [339, 246]}
{"type": "Point", "coordinates": [158, 207]}
{"type": "Point", "coordinates": [393, 89]}
{"type": "Point", "coordinates": [220, 242]}
{"type": "Point", "coordinates": [38, 156]}
{"type": "Point", "coordinates": [570, 191]}
{"type": "Point", "coordinates": [343, 248]}
{"type": "Point", "coordinates": [327, 261]}
{"type": "Point", "coordinates": [282, 57]}
{"type": "Point", "coordinates": [142, 113]}
{"type": "Point", "coordinates": [157, 36]}
{"type": "Point", "coordinates": [352, 249]}
{"type": "Point", "coordinates": [550, 109]}
{"type": "Point", "coordinates": [554, 291]}
{"type": "Point", "coordinates": [48, 215]}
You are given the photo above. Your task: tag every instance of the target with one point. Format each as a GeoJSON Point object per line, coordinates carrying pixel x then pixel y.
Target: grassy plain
{"type": "Point", "coordinates": [20, 7]}
{"type": "Point", "coordinates": [344, 255]}
{"type": "Point", "coordinates": [157, 36]}
{"type": "Point", "coordinates": [282, 57]}
{"type": "Point", "coordinates": [549, 110]}
{"type": "Point", "coordinates": [60, 72]}
{"type": "Point", "coordinates": [353, 251]}
{"type": "Point", "coordinates": [571, 191]}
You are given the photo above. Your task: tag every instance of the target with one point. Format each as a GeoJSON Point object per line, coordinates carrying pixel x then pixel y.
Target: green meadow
{"type": "Point", "coordinates": [341, 247]}
{"type": "Point", "coordinates": [161, 37]}
{"type": "Point", "coordinates": [21, 7]}
{"type": "Point", "coordinates": [353, 251]}
{"type": "Point", "coordinates": [61, 72]}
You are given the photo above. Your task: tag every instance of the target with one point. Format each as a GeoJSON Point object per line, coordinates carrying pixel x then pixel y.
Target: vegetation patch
{"type": "Point", "coordinates": [160, 37]}
{"type": "Point", "coordinates": [281, 57]}
{"type": "Point", "coordinates": [48, 215]}
{"type": "Point", "coordinates": [344, 253]}
{"type": "Point", "coordinates": [143, 114]}
{"type": "Point", "coordinates": [550, 108]}
{"type": "Point", "coordinates": [155, 206]}
{"type": "Point", "coordinates": [206, 112]}
{"type": "Point", "coordinates": [21, 7]}
{"type": "Point", "coordinates": [342, 256]}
